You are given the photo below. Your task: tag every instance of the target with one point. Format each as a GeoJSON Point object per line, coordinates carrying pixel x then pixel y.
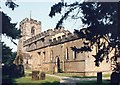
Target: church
{"type": "Point", "coordinates": [52, 51]}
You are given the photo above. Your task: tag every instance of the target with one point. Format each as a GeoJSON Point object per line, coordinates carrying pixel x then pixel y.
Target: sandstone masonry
{"type": "Point", "coordinates": [51, 51]}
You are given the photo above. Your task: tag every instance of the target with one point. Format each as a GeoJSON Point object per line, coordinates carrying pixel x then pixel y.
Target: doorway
{"type": "Point", "coordinates": [58, 64]}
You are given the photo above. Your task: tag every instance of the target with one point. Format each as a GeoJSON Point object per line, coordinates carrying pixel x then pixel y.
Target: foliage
{"type": "Point", "coordinates": [101, 22]}
{"type": "Point", "coordinates": [11, 4]}
{"type": "Point", "coordinates": [8, 56]}
{"type": "Point", "coordinates": [9, 28]}
{"type": "Point", "coordinates": [9, 69]}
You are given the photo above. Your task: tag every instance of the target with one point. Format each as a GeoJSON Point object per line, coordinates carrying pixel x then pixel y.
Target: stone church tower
{"type": "Point", "coordinates": [29, 28]}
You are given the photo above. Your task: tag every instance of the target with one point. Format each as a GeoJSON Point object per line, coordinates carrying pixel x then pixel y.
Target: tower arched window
{"type": "Point", "coordinates": [33, 30]}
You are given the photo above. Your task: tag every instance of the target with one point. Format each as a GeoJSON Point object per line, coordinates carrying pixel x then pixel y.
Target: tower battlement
{"type": "Point", "coordinates": [26, 20]}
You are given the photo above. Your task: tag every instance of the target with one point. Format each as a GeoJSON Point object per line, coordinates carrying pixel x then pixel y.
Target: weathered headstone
{"type": "Point", "coordinates": [42, 76]}
{"type": "Point", "coordinates": [99, 77]}
{"type": "Point", "coordinates": [35, 75]}
{"type": "Point", "coordinates": [21, 70]}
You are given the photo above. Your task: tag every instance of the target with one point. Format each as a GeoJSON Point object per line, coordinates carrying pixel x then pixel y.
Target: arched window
{"type": "Point", "coordinates": [66, 54]}
{"type": "Point", "coordinates": [74, 54]}
{"type": "Point", "coordinates": [51, 56]}
{"type": "Point", "coordinates": [44, 56]}
{"type": "Point", "coordinates": [32, 30]}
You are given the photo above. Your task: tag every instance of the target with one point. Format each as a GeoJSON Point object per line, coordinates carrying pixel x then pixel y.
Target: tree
{"type": "Point", "coordinates": [8, 29]}
{"type": "Point", "coordinates": [8, 55]}
{"type": "Point", "coordinates": [11, 4]}
{"type": "Point", "coordinates": [101, 21]}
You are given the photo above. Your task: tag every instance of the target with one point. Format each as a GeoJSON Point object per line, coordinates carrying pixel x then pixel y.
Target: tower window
{"type": "Point", "coordinates": [32, 30]}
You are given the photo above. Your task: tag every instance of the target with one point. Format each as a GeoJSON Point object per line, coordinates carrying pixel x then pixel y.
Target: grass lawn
{"type": "Point", "coordinates": [55, 81]}
{"type": "Point", "coordinates": [74, 75]}
{"type": "Point", "coordinates": [28, 80]}
{"type": "Point", "coordinates": [77, 75]}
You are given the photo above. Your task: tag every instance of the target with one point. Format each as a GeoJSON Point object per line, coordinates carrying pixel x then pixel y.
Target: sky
{"type": "Point", "coordinates": [39, 11]}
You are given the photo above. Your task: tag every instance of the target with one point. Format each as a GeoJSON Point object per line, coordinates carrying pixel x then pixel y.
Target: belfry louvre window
{"type": "Point", "coordinates": [32, 31]}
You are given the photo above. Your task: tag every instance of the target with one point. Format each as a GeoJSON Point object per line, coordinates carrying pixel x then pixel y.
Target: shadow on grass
{"type": "Point", "coordinates": [7, 80]}
{"type": "Point", "coordinates": [28, 81]}
{"type": "Point", "coordinates": [46, 83]}
{"type": "Point", "coordinates": [104, 82]}
{"type": "Point", "coordinates": [11, 81]}
{"type": "Point", "coordinates": [9, 72]}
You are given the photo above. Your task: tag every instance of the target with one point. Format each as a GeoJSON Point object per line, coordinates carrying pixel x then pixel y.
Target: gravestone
{"type": "Point", "coordinates": [21, 70]}
{"type": "Point", "coordinates": [42, 76]}
{"type": "Point", "coordinates": [37, 75]}
{"type": "Point", "coordinates": [99, 77]}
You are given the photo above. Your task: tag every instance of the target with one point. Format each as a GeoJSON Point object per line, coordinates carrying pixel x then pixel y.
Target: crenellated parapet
{"type": "Point", "coordinates": [48, 38]}
{"type": "Point", "coordinates": [49, 32]}
{"type": "Point", "coordinates": [29, 20]}
{"type": "Point", "coordinates": [63, 39]}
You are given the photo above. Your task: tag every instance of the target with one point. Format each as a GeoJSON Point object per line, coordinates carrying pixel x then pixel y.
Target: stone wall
{"type": "Point", "coordinates": [82, 63]}
{"type": "Point", "coordinates": [51, 51]}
